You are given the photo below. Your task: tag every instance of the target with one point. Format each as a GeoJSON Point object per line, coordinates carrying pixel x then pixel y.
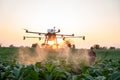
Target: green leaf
{"type": "Point", "coordinates": [100, 78]}
{"type": "Point", "coordinates": [115, 76]}
{"type": "Point", "coordinates": [5, 74]}
{"type": "Point", "coordinates": [98, 72]}
{"type": "Point", "coordinates": [87, 76]}
{"type": "Point", "coordinates": [38, 64]}
{"type": "Point", "coordinates": [84, 70]}
{"type": "Point", "coordinates": [31, 75]}
{"type": "Point", "coordinates": [76, 77]}
{"type": "Point", "coordinates": [50, 67]}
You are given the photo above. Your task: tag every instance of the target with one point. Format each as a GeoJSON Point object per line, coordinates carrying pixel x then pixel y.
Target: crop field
{"type": "Point", "coordinates": [106, 67]}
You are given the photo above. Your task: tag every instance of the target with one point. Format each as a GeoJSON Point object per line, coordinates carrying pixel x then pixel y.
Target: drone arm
{"type": "Point", "coordinates": [33, 32]}
{"type": "Point", "coordinates": [83, 37]}
{"type": "Point", "coordinates": [36, 32]}
{"type": "Point", "coordinates": [65, 35]}
{"type": "Point", "coordinates": [24, 37]}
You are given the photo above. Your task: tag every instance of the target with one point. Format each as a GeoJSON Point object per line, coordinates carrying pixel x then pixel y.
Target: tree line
{"type": "Point", "coordinates": [97, 46]}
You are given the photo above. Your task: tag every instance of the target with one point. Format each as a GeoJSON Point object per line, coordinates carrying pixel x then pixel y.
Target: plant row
{"type": "Point", "coordinates": [105, 70]}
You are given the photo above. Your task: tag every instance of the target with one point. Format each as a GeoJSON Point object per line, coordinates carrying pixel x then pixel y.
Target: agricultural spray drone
{"type": "Point", "coordinates": [51, 35]}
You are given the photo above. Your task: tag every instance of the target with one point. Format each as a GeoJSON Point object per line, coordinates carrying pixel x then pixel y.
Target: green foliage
{"type": "Point", "coordinates": [108, 54]}
{"type": "Point", "coordinates": [8, 53]}
{"type": "Point", "coordinates": [107, 68]}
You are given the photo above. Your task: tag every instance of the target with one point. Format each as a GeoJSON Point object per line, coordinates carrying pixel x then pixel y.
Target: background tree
{"type": "Point", "coordinates": [0, 45]}
{"type": "Point", "coordinates": [112, 47]}
{"type": "Point", "coordinates": [96, 46]}
{"type": "Point", "coordinates": [11, 45]}
{"type": "Point", "coordinates": [34, 45]}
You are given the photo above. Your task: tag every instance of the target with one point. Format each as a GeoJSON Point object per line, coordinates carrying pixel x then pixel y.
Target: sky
{"type": "Point", "coordinates": [98, 20]}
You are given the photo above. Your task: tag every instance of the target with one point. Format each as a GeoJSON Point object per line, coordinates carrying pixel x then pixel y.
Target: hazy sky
{"type": "Point", "coordinates": [98, 20]}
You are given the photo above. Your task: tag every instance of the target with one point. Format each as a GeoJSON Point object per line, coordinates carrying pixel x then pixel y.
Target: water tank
{"type": "Point", "coordinates": [50, 30]}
